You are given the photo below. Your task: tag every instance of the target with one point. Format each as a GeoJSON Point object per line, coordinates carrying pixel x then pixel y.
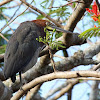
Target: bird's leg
{"type": "Point", "coordinates": [21, 80]}
{"type": "Point", "coordinates": [20, 76]}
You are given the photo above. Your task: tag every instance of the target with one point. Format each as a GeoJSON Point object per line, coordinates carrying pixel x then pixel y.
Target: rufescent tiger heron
{"type": "Point", "coordinates": [23, 49]}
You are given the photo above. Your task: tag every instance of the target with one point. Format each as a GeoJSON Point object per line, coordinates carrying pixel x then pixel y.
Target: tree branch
{"type": "Point", "coordinates": [64, 90]}
{"type": "Point", "coordinates": [75, 17]}
{"type": "Point", "coordinates": [94, 94]}
{"type": "Point", "coordinates": [73, 40]}
{"type": "Point", "coordinates": [5, 93]}
{"type": "Point", "coordinates": [44, 14]}
{"type": "Point", "coordinates": [5, 2]}
{"type": "Point", "coordinates": [62, 86]}
{"type": "Point", "coordinates": [79, 58]}
{"type": "Point", "coordinates": [30, 95]}
{"type": "Point", "coordinates": [56, 75]}
{"type": "Point", "coordinates": [69, 2]}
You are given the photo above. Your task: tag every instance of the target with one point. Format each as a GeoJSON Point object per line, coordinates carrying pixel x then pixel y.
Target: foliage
{"type": "Point", "coordinates": [58, 34]}
{"type": "Point", "coordinates": [61, 13]}
{"type": "Point", "coordinates": [58, 11]}
{"type": "Point", "coordinates": [1, 13]}
{"type": "Point", "coordinates": [3, 43]}
{"type": "Point", "coordinates": [96, 17]}
{"type": "Point", "coordinates": [48, 40]}
{"type": "Point", "coordinates": [2, 49]}
{"type": "Point", "coordinates": [90, 33]}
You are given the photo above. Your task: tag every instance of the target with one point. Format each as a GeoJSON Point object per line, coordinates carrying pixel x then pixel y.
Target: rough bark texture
{"type": "Point", "coordinates": [44, 66]}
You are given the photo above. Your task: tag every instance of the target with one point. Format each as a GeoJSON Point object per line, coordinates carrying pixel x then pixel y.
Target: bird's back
{"type": "Point", "coordinates": [21, 49]}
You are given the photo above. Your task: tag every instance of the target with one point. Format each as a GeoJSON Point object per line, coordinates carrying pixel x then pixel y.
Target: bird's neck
{"type": "Point", "coordinates": [40, 22]}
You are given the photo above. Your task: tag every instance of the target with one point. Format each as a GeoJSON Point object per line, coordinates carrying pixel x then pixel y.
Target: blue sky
{"type": "Point", "coordinates": [81, 90]}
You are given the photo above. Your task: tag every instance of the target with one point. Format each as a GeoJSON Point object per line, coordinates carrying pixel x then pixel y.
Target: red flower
{"type": "Point", "coordinates": [95, 26]}
{"type": "Point", "coordinates": [94, 18]}
{"type": "Point", "coordinates": [94, 11]}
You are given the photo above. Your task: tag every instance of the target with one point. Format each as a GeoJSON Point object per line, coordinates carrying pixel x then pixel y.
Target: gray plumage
{"type": "Point", "coordinates": [22, 50]}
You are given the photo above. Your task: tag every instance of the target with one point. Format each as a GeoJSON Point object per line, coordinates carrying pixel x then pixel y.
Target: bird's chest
{"type": "Point", "coordinates": [32, 61]}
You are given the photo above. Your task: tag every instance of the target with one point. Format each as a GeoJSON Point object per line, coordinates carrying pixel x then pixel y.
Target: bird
{"type": "Point", "coordinates": [23, 49]}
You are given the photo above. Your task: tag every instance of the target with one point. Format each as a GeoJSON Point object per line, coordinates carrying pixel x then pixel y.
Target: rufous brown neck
{"type": "Point", "coordinates": [40, 22]}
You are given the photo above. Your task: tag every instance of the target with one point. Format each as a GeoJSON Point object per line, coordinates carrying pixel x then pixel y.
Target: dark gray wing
{"type": "Point", "coordinates": [20, 49]}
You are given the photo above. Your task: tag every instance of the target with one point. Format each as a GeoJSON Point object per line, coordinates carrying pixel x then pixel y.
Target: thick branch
{"type": "Point", "coordinates": [79, 58]}
{"type": "Point", "coordinates": [30, 95]}
{"type": "Point", "coordinates": [5, 2]}
{"type": "Point", "coordinates": [73, 40]}
{"type": "Point", "coordinates": [5, 93]}
{"type": "Point", "coordinates": [94, 91]}
{"type": "Point", "coordinates": [64, 90]}
{"type": "Point", "coordinates": [62, 86]}
{"type": "Point", "coordinates": [55, 75]}
{"type": "Point", "coordinates": [76, 16]}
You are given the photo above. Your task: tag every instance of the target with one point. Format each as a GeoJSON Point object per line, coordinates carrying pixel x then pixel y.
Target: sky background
{"type": "Point", "coordinates": [80, 91]}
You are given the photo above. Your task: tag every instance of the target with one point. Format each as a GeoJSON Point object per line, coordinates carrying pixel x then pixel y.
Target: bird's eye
{"type": "Point", "coordinates": [47, 23]}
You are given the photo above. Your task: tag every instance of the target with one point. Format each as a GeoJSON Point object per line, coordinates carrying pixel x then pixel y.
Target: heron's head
{"type": "Point", "coordinates": [50, 26]}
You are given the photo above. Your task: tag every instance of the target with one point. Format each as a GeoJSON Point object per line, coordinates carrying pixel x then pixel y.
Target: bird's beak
{"type": "Point", "coordinates": [51, 26]}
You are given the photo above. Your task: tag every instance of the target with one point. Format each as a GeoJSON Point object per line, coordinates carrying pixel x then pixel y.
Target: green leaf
{"type": "Point", "coordinates": [48, 40]}
{"type": "Point", "coordinates": [1, 11]}
{"type": "Point", "coordinates": [90, 33]}
{"type": "Point", "coordinates": [40, 17]}
{"type": "Point", "coordinates": [58, 34]}
{"type": "Point", "coordinates": [54, 30]}
{"type": "Point", "coordinates": [44, 2]}
{"type": "Point", "coordinates": [2, 49]}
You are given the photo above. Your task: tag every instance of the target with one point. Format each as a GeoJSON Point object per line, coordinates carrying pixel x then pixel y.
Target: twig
{"type": "Point", "coordinates": [12, 6]}
{"type": "Point", "coordinates": [11, 29]}
{"type": "Point", "coordinates": [67, 4]}
{"type": "Point", "coordinates": [13, 19]}
{"type": "Point", "coordinates": [51, 57]}
{"type": "Point", "coordinates": [31, 10]}
{"type": "Point", "coordinates": [64, 90]}
{"type": "Point", "coordinates": [5, 2]}
{"type": "Point", "coordinates": [4, 37]}
{"type": "Point", "coordinates": [52, 2]}
{"type": "Point", "coordinates": [85, 78]}
{"type": "Point", "coordinates": [59, 56]}
{"type": "Point", "coordinates": [96, 67]}
{"type": "Point", "coordinates": [15, 12]}
{"type": "Point", "coordinates": [52, 91]}
{"type": "Point", "coordinates": [44, 14]}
